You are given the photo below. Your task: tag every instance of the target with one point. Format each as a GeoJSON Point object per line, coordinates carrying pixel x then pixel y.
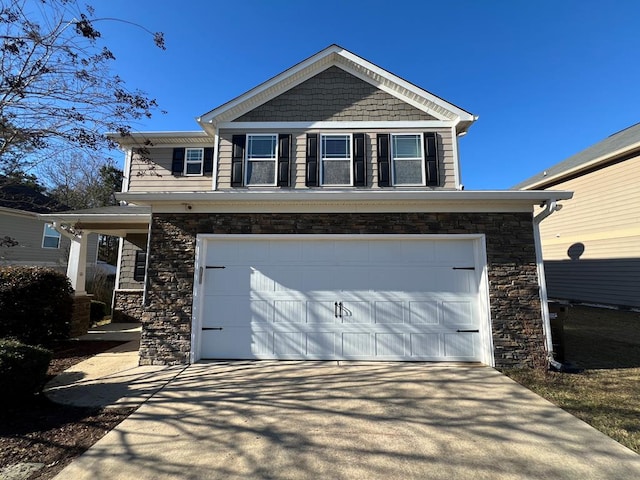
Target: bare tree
{"type": "Point", "coordinates": [57, 90]}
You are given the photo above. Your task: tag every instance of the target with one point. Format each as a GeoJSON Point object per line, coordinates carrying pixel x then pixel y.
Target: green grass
{"type": "Point", "coordinates": [606, 394]}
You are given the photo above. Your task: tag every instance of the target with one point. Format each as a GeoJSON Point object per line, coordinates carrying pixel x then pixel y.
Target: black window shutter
{"type": "Point", "coordinates": [208, 161]}
{"type": "Point", "coordinates": [237, 160]}
{"type": "Point", "coordinates": [312, 160]}
{"type": "Point", "coordinates": [139, 266]}
{"type": "Point", "coordinates": [177, 164]}
{"type": "Point", "coordinates": [431, 158]}
{"type": "Point", "coordinates": [284, 160]}
{"type": "Point", "coordinates": [384, 163]}
{"type": "Point", "coordinates": [359, 164]}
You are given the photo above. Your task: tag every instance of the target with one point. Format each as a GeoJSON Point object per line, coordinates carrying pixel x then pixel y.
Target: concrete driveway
{"type": "Point", "coordinates": [324, 420]}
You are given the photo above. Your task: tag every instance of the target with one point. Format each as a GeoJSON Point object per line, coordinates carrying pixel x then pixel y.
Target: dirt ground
{"type": "Point", "coordinates": [41, 432]}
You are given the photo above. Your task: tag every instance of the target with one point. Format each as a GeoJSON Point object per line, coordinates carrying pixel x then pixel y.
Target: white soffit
{"type": "Point", "coordinates": [344, 201]}
{"type": "Point", "coordinates": [351, 63]}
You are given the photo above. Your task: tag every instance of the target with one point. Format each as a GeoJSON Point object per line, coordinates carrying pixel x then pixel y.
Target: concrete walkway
{"type": "Point", "coordinates": [112, 378]}
{"type": "Point", "coordinates": [329, 420]}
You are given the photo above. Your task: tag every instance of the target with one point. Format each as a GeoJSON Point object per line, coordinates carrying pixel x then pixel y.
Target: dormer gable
{"type": "Point", "coordinates": [340, 66]}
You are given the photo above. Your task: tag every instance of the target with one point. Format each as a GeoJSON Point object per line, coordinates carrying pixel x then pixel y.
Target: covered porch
{"type": "Point", "coordinates": [120, 221]}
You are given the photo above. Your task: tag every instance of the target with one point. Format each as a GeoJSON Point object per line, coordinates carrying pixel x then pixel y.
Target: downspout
{"type": "Point", "coordinates": [550, 206]}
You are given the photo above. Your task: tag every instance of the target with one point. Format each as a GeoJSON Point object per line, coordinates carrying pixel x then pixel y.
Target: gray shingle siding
{"type": "Point", "coordinates": [334, 95]}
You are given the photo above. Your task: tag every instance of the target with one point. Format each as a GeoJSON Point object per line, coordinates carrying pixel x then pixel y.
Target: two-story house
{"type": "Point", "coordinates": [321, 215]}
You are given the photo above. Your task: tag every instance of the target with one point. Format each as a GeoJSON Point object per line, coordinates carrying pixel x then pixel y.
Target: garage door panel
{"type": "Point", "coordinates": [459, 313]}
{"type": "Point", "coordinates": [356, 345]}
{"type": "Point", "coordinates": [460, 345]}
{"type": "Point", "coordinates": [389, 312]}
{"type": "Point", "coordinates": [355, 312]}
{"type": "Point", "coordinates": [425, 345]}
{"type": "Point", "coordinates": [289, 343]}
{"type": "Point", "coordinates": [289, 311]}
{"type": "Point", "coordinates": [424, 313]}
{"type": "Point", "coordinates": [333, 299]}
{"type": "Point", "coordinates": [321, 345]}
{"type": "Point", "coordinates": [390, 345]}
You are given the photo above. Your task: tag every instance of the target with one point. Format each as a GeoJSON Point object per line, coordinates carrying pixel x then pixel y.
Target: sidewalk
{"type": "Point", "coordinates": [112, 378]}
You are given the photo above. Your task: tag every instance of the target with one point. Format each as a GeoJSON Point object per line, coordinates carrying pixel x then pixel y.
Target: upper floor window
{"type": "Point", "coordinates": [194, 161]}
{"type": "Point", "coordinates": [51, 237]}
{"type": "Point", "coordinates": [408, 166]}
{"type": "Point", "coordinates": [336, 160]}
{"type": "Point", "coordinates": [261, 159]}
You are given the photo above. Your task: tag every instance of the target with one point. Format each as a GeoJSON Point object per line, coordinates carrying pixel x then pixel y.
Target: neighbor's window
{"type": "Point", "coordinates": [51, 237]}
{"type": "Point", "coordinates": [407, 159]}
{"type": "Point", "coordinates": [194, 159]}
{"type": "Point", "coordinates": [336, 160]}
{"type": "Point", "coordinates": [261, 159]}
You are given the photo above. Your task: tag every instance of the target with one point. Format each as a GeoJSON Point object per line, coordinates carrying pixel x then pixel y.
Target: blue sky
{"type": "Point", "coordinates": [547, 78]}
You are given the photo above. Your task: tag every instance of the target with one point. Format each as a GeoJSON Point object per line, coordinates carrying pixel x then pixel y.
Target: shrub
{"type": "Point", "coordinates": [98, 311]}
{"type": "Point", "coordinates": [23, 369]}
{"type": "Point", "coordinates": [36, 304]}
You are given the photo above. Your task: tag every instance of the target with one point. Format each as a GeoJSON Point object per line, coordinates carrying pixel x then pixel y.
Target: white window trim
{"type": "Point", "coordinates": [274, 160]}
{"type": "Point", "coordinates": [421, 158]}
{"type": "Point", "coordinates": [350, 159]}
{"type": "Point", "coordinates": [44, 235]}
{"type": "Point", "coordinates": [187, 162]}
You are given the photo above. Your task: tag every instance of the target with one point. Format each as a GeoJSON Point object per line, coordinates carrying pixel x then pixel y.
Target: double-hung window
{"type": "Point", "coordinates": [194, 160]}
{"type": "Point", "coordinates": [336, 160]}
{"type": "Point", "coordinates": [261, 159]}
{"type": "Point", "coordinates": [407, 160]}
{"type": "Point", "coordinates": [51, 237]}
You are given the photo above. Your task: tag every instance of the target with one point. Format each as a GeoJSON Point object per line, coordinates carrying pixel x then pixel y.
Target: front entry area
{"type": "Point", "coordinates": [341, 297]}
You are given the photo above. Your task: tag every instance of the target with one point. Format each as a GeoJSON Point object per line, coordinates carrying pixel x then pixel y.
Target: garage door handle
{"type": "Point", "coordinates": [211, 328]}
{"type": "Point", "coordinates": [335, 309]}
{"type": "Point", "coordinates": [468, 331]}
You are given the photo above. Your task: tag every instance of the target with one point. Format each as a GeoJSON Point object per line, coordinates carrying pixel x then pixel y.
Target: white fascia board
{"type": "Point", "coordinates": [612, 156]}
{"type": "Point", "coordinates": [355, 65]}
{"type": "Point", "coordinates": [340, 201]}
{"type": "Point", "coordinates": [272, 82]}
{"type": "Point", "coordinates": [138, 139]}
{"type": "Point", "coordinates": [460, 113]}
{"type": "Point", "coordinates": [336, 125]}
{"type": "Point", "coordinates": [122, 218]}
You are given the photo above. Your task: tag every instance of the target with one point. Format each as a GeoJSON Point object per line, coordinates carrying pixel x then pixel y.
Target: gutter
{"type": "Point", "coordinates": [550, 206]}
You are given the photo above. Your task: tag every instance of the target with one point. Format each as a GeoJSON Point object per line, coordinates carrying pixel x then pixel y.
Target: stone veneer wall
{"type": "Point", "coordinates": [513, 283]}
{"type": "Point", "coordinates": [81, 316]}
{"type": "Point", "coordinates": [128, 307]}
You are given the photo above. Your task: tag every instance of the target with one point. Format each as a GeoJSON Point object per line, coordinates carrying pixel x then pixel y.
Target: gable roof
{"type": "Point", "coordinates": [610, 149]}
{"type": "Point", "coordinates": [335, 55]}
{"type": "Point", "coordinates": [24, 198]}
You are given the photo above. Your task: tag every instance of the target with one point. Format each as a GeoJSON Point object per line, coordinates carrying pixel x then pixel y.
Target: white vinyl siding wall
{"type": "Point", "coordinates": [156, 176]}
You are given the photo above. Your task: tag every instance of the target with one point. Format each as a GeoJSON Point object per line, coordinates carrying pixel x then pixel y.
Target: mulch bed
{"type": "Point", "coordinates": [40, 431]}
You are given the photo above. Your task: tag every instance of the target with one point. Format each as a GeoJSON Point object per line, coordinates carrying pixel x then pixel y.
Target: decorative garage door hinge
{"type": "Point", "coordinates": [201, 271]}
{"type": "Point", "coordinates": [464, 268]}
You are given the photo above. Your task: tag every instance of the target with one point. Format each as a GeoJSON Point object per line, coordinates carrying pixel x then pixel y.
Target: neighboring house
{"type": "Point", "coordinates": [592, 247]}
{"type": "Point", "coordinates": [321, 215]}
{"type": "Point", "coordinates": [24, 238]}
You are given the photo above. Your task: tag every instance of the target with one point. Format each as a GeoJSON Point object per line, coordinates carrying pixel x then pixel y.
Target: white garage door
{"type": "Point", "coordinates": [261, 297]}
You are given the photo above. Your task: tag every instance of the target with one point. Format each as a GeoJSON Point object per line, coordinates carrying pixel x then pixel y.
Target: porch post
{"type": "Point", "coordinates": [77, 265]}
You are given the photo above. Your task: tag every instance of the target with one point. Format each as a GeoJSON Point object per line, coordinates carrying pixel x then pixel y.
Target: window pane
{"type": "Point", "coordinates": [51, 242]}
{"type": "Point", "coordinates": [407, 146]}
{"type": "Point", "coordinates": [194, 168]}
{"type": "Point", "coordinates": [336, 146]}
{"type": "Point", "coordinates": [194, 155]}
{"type": "Point", "coordinates": [263, 146]}
{"type": "Point", "coordinates": [49, 231]}
{"type": "Point", "coordinates": [407, 172]}
{"type": "Point", "coordinates": [261, 173]}
{"type": "Point", "coordinates": [336, 173]}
